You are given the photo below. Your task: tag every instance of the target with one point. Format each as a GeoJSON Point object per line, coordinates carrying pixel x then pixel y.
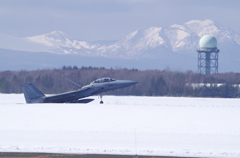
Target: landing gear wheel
{"type": "Point", "coordinates": [101, 102]}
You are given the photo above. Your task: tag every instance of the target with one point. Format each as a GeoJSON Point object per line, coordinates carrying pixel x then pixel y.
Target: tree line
{"type": "Point", "coordinates": [150, 82]}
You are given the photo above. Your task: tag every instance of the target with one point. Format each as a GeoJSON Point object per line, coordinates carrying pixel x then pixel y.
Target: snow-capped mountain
{"type": "Point", "coordinates": [152, 42]}
{"type": "Point", "coordinates": [174, 46]}
{"type": "Point", "coordinates": [60, 42]}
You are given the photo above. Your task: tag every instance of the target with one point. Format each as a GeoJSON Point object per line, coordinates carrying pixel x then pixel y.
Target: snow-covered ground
{"type": "Point", "coordinates": [189, 127]}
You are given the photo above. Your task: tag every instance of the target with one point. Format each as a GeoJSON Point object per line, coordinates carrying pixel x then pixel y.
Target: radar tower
{"type": "Point", "coordinates": [208, 55]}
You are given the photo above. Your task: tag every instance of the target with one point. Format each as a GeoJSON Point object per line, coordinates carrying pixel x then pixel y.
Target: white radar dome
{"type": "Point", "coordinates": [208, 41]}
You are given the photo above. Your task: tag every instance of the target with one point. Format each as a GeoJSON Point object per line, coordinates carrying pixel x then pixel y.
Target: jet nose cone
{"type": "Point", "coordinates": [125, 83]}
{"type": "Point", "coordinates": [133, 82]}
{"type": "Point", "coordinates": [129, 83]}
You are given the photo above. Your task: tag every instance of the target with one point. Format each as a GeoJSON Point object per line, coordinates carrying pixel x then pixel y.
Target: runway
{"type": "Point", "coordinates": [126, 125]}
{"type": "Point", "coordinates": [48, 155]}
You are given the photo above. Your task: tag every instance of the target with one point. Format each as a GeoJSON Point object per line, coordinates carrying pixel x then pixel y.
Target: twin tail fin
{"type": "Point", "coordinates": [32, 94]}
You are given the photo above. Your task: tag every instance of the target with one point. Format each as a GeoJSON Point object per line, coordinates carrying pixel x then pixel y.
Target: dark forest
{"type": "Point", "coordinates": [150, 82]}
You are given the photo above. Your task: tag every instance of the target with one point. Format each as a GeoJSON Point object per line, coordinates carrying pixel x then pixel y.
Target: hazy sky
{"type": "Point", "coordinates": [109, 19]}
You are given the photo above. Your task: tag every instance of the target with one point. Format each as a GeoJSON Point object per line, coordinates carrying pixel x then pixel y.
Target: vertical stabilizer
{"type": "Point", "coordinates": [32, 94]}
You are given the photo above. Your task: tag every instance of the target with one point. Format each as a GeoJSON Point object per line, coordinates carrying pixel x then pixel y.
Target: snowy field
{"type": "Point", "coordinates": [166, 126]}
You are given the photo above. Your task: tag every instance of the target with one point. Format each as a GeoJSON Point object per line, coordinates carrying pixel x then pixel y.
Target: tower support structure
{"type": "Point", "coordinates": [208, 60]}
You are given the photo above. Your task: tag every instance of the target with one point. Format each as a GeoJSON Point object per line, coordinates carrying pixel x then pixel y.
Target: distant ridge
{"type": "Point", "coordinates": [175, 38]}
{"type": "Point", "coordinates": [173, 46]}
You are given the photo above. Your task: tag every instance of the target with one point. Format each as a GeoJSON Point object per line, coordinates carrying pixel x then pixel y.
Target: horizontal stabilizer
{"type": "Point", "coordinates": [85, 100]}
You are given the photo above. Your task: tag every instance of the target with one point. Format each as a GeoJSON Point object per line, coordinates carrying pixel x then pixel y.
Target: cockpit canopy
{"type": "Point", "coordinates": [102, 80]}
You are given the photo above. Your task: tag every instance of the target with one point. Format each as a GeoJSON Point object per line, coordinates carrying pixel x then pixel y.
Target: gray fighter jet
{"type": "Point", "coordinates": [34, 95]}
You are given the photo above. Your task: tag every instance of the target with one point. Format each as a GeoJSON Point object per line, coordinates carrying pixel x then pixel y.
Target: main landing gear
{"type": "Point", "coordinates": [101, 102]}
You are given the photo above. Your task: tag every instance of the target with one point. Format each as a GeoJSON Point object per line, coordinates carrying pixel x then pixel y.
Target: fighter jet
{"type": "Point", "coordinates": [34, 95]}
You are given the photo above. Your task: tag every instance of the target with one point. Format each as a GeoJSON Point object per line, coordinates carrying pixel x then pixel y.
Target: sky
{"type": "Point", "coordinates": [109, 19]}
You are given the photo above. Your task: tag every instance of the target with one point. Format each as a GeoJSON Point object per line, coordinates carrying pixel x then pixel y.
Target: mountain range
{"type": "Point", "coordinates": [171, 47]}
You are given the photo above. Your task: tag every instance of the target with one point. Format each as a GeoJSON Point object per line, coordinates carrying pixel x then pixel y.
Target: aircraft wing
{"type": "Point", "coordinates": [59, 98]}
{"type": "Point", "coordinates": [64, 97]}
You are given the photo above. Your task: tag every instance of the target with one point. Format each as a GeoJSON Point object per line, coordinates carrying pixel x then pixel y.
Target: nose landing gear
{"type": "Point", "coordinates": [101, 102]}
